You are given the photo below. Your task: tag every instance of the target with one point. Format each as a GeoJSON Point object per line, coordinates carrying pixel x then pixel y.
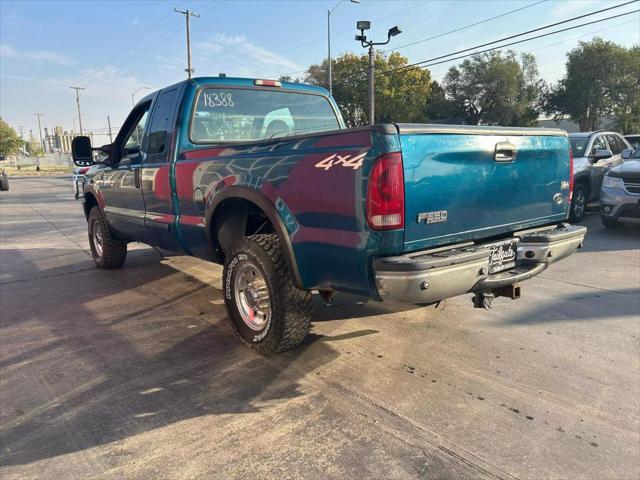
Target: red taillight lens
{"type": "Point", "coordinates": [385, 194]}
{"type": "Point", "coordinates": [570, 175]}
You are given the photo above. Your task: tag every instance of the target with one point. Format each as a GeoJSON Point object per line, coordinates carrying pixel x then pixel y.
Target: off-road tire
{"type": "Point", "coordinates": [114, 251]}
{"type": "Point", "coordinates": [4, 182]}
{"type": "Point", "coordinates": [611, 223]}
{"type": "Point", "coordinates": [290, 306]}
{"type": "Point", "coordinates": [578, 204]}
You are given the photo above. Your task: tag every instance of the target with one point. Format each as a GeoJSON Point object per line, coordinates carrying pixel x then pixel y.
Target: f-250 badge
{"type": "Point", "coordinates": [350, 161]}
{"type": "Point", "coordinates": [439, 216]}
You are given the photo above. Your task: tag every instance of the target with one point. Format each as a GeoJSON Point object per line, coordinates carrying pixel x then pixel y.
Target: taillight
{"type": "Point", "coordinates": [570, 175]}
{"type": "Point", "coordinates": [385, 193]}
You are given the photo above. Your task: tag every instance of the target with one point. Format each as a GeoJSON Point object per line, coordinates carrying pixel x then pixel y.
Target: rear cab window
{"type": "Point", "coordinates": [223, 115]}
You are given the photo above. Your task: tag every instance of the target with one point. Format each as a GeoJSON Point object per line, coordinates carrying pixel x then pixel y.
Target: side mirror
{"type": "Point", "coordinates": [82, 152]}
{"type": "Point", "coordinates": [626, 153]}
{"type": "Point", "coordinates": [602, 154]}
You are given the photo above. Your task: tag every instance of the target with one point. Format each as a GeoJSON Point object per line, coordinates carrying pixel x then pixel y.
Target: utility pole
{"type": "Point", "coordinates": [77, 89]}
{"type": "Point", "coordinates": [188, 14]}
{"type": "Point", "coordinates": [109, 123]}
{"type": "Point", "coordinates": [40, 129]}
{"type": "Point", "coordinates": [362, 38]}
{"type": "Point", "coordinates": [21, 128]}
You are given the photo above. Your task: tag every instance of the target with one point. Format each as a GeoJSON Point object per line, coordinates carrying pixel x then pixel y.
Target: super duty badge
{"type": "Point", "coordinates": [439, 216]}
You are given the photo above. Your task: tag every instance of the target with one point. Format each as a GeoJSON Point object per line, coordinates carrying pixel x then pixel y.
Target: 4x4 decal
{"type": "Point", "coordinates": [354, 162]}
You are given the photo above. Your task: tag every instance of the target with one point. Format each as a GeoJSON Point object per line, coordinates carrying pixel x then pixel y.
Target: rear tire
{"type": "Point", "coordinates": [107, 251]}
{"type": "Point", "coordinates": [4, 182]}
{"type": "Point", "coordinates": [267, 311]}
{"type": "Point", "coordinates": [611, 223]}
{"type": "Point", "coordinates": [578, 204]}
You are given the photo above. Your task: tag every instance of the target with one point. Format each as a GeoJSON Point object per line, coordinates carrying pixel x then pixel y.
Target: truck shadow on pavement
{"type": "Point", "coordinates": [584, 306]}
{"type": "Point", "coordinates": [94, 357]}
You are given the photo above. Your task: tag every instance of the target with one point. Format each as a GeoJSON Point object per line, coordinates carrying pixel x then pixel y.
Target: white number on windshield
{"type": "Point", "coordinates": [217, 100]}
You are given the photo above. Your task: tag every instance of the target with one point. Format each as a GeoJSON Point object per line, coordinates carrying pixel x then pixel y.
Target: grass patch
{"type": "Point", "coordinates": [31, 170]}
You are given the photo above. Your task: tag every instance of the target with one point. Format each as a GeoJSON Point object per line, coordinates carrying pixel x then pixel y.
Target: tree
{"type": "Point", "coordinates": [10, 142]}
{"type": "Point", "coordinates": [625, 91]}
{"type": "Point", "coordinates": [495, 88]}
{"type": "Point", "coordinates": [594, 84]}
{"type": "Point", "coordinates": [440, 109]}
{"type": "Point", "coordinates": [400, 97]}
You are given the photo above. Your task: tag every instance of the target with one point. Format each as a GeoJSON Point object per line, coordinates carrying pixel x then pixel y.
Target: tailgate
{"type": "Point", "coordinates": [458, 188]}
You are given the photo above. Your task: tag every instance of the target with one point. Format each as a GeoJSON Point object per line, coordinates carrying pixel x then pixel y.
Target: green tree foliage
{"type": "Point", "coordinates": [400, 97]}
{"type": "Point", "coordinates": [602, 78]}
{"type": "Point", "coordinates": [495, 88]}
{"type": "Point", "coordinates": [10, 142]}
{"type": "Point", "coordinates": [34, 148]}
{"type": "Point", "coordinates": [625, 93]}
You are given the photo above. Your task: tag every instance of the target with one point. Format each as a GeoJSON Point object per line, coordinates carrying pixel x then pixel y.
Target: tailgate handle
{"type": "Point", "coordinates": [505, 152]}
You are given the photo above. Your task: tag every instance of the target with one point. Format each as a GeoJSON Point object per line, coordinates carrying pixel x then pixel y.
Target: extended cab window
{"type": "Point", "coordinates": [235, 115]}
{"type": "Point", "coordinates": [161, 124]}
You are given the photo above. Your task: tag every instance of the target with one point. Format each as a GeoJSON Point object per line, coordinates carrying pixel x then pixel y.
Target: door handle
{"type": "Point", "coordinates": [137, 177]}
{"type": "Point", "coordinates": [504, 152]}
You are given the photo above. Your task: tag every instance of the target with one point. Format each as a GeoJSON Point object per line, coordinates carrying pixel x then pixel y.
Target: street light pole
{"type": "Point", "coordinates": [362, 38]}
{"type": "Point", "coordinates": [133, 102]}
{"type": "Point", "coordinates": [329, 66]}
{"type": "Point", "coordinates": [188, 14]}
{"type": "Point", "coordinates": [77, 89]}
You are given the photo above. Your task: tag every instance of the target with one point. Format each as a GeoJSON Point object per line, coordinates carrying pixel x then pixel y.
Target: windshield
{"type": "Point", "coordinates": [578, 145]}
{"type": "Point", "coordinates": [234, 115]}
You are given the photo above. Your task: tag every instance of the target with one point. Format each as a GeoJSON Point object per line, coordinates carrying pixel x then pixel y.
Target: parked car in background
{"type": "Point", "coordinates": [78, 181]}
{"type": "Point", "coordinates": [4, 178]}
{"type": "Point", "coordinates": [594, 153]}
{"type": "Point", "coordinates": [633, 139]}
{"type": "Point", "coordinates": [620, 194]}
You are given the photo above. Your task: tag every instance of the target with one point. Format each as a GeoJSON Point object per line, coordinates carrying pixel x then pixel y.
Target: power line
{"type": "Point", "coordinates": [464, 27]}
{"type": "Point", "coordinates": [423, 62]}
{"type": "Point", "coordinates": [521, 41]}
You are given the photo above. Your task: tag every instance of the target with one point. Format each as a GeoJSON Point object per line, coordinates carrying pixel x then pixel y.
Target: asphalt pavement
{"type": "Point", "coordinates": [135, 373]}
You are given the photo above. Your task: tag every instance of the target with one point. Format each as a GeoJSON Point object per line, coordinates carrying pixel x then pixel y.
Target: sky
{"type": "Point", "coordinates": [115, 48]}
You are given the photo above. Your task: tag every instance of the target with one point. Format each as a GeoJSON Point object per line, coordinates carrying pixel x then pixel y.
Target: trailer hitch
{"type": "Point", "coordinates": [483, 299]}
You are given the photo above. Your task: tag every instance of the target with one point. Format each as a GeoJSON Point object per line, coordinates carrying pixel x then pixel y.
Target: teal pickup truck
{"type": "Point", "coordinates": [263, 177]}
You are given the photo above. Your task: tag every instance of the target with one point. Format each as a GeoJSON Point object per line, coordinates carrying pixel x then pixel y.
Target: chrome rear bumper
{"type": "Point", "coordinates": [433, 275]}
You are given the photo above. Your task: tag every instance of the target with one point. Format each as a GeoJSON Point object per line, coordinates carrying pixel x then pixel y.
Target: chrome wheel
{"type": "Point", "coordinates": [98, 239]}
{"type": "Point", "coordinates": [252, 296]}
{"type": "Point", "coordinates": [579, 204]}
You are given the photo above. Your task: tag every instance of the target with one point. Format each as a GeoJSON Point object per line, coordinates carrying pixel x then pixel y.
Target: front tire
{"type": "Point", "coordinates": [4, 182]}
{"type": "Point", "coordinates": [578, 204]}
{"type": "Point", "coordinates": [268, 313]}
{"type": "Point", "coordinates": [107, 251]}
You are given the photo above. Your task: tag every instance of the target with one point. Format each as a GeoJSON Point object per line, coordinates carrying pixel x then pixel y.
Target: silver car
{"type": "Point", "coordinates": [620, 194]}
{"type": "Point", "coordinates": [594, 153]}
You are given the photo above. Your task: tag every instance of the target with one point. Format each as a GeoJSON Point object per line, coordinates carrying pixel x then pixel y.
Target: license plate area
{"type": "Point", "coordinates": [502, 256]}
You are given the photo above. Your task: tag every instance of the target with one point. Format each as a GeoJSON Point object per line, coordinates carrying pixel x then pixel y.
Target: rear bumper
{"type": "Point", "coordinates": [433, 275]}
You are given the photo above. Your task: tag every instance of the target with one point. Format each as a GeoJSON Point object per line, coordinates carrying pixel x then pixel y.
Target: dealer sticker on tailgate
{"type": "Point", "coordinates": [503, 256]}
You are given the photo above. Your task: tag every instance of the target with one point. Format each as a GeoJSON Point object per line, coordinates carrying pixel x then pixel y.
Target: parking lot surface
{"type": "Point", "coordinates": [135, 373]}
